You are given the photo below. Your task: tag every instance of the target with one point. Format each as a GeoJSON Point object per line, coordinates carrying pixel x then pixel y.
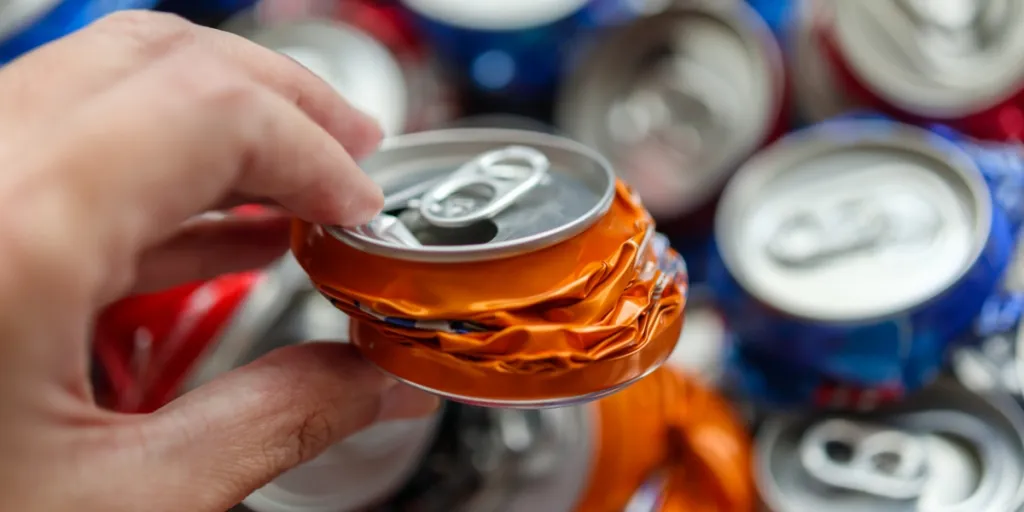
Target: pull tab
{"type": "Point", "coordinates": [864, 458]}
{"type": "Point", "coordinates": [389, 229]}
{"type": "Point", "coordinates": [811, 237]}
{"type": "Point", "coordinates": [651, 493]}
{"type": "Point", "coordinates": [505, 174]}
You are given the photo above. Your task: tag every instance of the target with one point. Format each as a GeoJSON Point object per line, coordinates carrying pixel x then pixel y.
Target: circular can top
{"type": "Point", "coordinates": [943, 449]}
{"type": "Point", "coordinates": [480, 194]}
{"type": "Point", "coordinates": [357, 66]}
{"type": "Point", "coordinates": [677, 100]}
{"type": "Point", "coordinates": [497, 15]}
{"type": "Point", "coordinates": [889, 215]}
{"type": "Point", "coordinates": [17, 14]}
{"type": "Point", "coordinates": [353, 474]}
{"type": "Point", "coordinates": [937, 58]}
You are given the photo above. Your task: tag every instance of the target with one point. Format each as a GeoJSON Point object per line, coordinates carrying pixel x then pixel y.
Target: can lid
{"type": "Point", "coordinates": [479, 194]}
{"type": "Point", "coordinates": [357, 66]}
{"type": "Point", "coordinates": [352, 474]}
{"type": "Point", "coordinates": [17, 14]}
{"type": "Point", "coordinates": [942, 59]}
{"type": "Point", "coordinates": [495, 14]}
{"type": "Point", "coordinates": [677, 100]}
{"type": "Point", "coordinates": [889, 214]}
{"type": "Point", "coordinates": [943, 449]}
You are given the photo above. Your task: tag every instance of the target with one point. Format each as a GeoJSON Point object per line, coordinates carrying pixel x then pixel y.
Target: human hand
{"type": "Point", "coordinates": [110, 140]}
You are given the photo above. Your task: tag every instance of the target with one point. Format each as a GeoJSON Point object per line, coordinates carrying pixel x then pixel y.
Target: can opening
{"type": "Point", "coordinates": [479, 232]}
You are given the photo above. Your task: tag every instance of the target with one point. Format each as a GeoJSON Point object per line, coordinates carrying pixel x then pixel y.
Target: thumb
{"type": "Point", "coordinates": [217, 444]}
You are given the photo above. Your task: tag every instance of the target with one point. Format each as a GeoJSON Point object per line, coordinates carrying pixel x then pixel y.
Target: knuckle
{"type": "Point", "coordinates": [310, 436]}
{"type": "Point", "coordinates": [154, 33]}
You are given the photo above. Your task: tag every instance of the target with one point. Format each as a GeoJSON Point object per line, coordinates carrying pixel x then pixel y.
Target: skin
{"type": "Point", "coordinates": [110, 140]}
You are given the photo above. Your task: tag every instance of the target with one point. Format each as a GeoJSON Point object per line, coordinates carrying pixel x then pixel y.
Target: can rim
{"type": "Point", "coordinates": [19, 14]}
{"type": "Point", "coordinates": [475, 18]}
{"type": "Point", "coordinates": [766, 53]}
{"type": "Point", "coordinates": [495, 250]}
{"type": "Point", "coordinates": [883, 74]}
{"type": "Point", "coordinates": [762, 168]}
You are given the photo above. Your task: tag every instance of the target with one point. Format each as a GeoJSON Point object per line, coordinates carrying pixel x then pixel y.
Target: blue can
{"type": "Point", "coordinates": [516, 50]}
{"type": "Point", "coordinates": [859, 249]}
{"type": "Point", "coordinates": [778, 14]}
{"type": "Point", "coordinates": [43, 21]}
{"type": "Point", "coordinates": [770, 383]}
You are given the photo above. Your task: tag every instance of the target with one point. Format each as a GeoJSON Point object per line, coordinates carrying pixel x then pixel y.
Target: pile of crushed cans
{"type": "Point", "coordinates": [826, 318]}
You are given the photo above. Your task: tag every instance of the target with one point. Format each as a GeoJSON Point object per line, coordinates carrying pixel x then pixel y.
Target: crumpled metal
{"type": "Point", "coordinates": [592, 298]}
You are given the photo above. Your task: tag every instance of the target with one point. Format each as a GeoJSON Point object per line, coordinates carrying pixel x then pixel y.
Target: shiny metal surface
{"type": "Point", "coordinates": [282, 310]}
{"type": "Point", "coordinates": [940, 58]}
{"type": "Point", "coordinates": [702, 344]}
{"type": "Point", "coordinates": [817, 92]}
{"type": "Point", "coordinates": [357, 66]}
{"type": "Point", "coordinates": [494, 14]}
{"type": "Point", "coordinates": [945, 449]}
{"type": "Point", "coordinates": [520, 209]}
{"type": "Point", "coordinates": [860, 208]}
{"type": "Point", "coordinates": [677, 100]}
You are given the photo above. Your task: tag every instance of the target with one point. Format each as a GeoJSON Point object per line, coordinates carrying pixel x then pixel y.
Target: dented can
{"type": "Point", "coordinates": [509, 268]}
{"type": "Point", "coordinates": [678, 100]}
{"type": "Point", "coordinates": [855, 252]}
{"type": "Point", "coordinates": [580, 458]}
{"type": "Point", "coordinates": [945, 448]}
{"type": "Point", "coordinates": [954, 62]}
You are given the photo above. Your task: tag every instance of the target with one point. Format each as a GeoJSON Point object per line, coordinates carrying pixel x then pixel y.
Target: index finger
{"type": "Point", "coordinates": [127, 42]}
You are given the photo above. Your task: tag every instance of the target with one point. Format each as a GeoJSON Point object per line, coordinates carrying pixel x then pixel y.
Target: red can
{"type": "Point", "coordinates": [953, 63]}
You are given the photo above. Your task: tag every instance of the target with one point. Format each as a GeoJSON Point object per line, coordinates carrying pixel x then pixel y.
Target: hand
{"type": "Point", "coordinates": [110, 139]}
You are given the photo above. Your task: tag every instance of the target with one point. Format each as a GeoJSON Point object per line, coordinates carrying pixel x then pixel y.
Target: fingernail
{"type": "Point", "coordinates": [405, 402]}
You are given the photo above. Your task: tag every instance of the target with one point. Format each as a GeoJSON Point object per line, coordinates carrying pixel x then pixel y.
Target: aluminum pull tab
{"type": "Point", "coordinates": [389, 229]}
{"type": "Point", "coordinates": [865, 458]}
{"type": "Point", "coordinates": [484, 187]}
{"type": "Point", "coordinates": [811, 237]}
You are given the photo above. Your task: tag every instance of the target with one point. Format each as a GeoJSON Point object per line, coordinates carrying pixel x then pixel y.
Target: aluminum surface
{"type": "Point", "coordinates": [357, 66]}
{"type": "Point", "coordinates": [282, 310]}
{"type": "Point", "coordinates": [353, 474]}
{"type": "Point", "coordinates": [700, 351]}
{"type": "Point", "coordinates": [853, 222]}
{"type": "Point", "coordinates": [495, 15]}
{"type": "Point", "coordinates": [17, 14]}
{"type": "Point", "coordinates": [677, 100]}
{"type": "Point", "coordinates": [938, 58]}
{"type": "Point", "coordinates": [574, 192]}
{"type": "Point", "coordinates": [817, 92]}
{"type": "Point", "coordinates": [945, 449]}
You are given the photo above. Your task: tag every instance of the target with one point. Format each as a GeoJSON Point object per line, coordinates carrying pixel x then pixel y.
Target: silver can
{"type": "Point", "coordinates": [512, 192]}
{"type": "Point", "coordinates": [701, 349]}
{"type": "Point", "coordinates": [818, 94]}
{"type": "Point", "coordinates": [941, 60]}
{"type": "Point", "coordinates": [356, 65]}
{"type": "Point", "coordinates": [677, 100]}
{"type": "Point", "coordinates": [945, 449]}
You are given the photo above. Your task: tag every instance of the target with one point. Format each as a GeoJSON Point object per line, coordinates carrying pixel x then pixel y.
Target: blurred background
{"type": "Point", "coordinates": [843, 177]}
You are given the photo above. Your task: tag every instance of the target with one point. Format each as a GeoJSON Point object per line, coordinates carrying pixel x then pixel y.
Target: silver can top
{"type": "Point", "coordinates": [354, 474]}
{"type": "Point", "coordinates": [853, 221]}
{"type": "Point", "coordinates": [480, 194]}
{"type": "Point", "coordinates": [817, 93]}
{"type": "Point", "coordinates": [677, 100]}
{"type": "Point", "coordinates": [17, 14]}
{"type": "Point", "coordinates": [940, 58]}
{"type": "Point", "coordinates": [495, 15]}
{"type": "Point", "coordinates": [357, 66]}
{"type": "Point", "coordinates": [945, 449]}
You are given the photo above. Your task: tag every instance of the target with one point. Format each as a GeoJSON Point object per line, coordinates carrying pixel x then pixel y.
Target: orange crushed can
{"type": "Point", "coordinates": [510, 268]}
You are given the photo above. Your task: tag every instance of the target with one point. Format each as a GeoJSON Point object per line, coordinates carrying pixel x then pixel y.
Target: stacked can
{"type": "Point", "coordinates": [27, 24]}
{"type": "Point", "coordinates": [509, 268]}
{"type": "Point", "coordinates": [510, 56]}
{"type": "Point", "coordinates": [849, 257]}
{"type": "Point", "coordinates": [678, 100]}
{"type": "Point", "coordinates": [945, 448]}
{"type": "Point", "coordinates": [957, 63]}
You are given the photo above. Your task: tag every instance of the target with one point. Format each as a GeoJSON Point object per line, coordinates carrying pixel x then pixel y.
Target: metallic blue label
{"type": "Point", "coordinates": [65, 18]}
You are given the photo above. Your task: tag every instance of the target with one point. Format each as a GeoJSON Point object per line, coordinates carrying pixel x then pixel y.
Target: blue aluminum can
{"type": "Point", "coordinates": [26, 25]}
{"type": "Point", "coordinates": [512, 49]}
{"type": "Point", "coordinates": [859, 249]}
{"type": "Point", "coordinates": [778, 14]}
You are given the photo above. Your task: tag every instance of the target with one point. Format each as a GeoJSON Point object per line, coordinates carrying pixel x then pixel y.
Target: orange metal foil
{"type": "Point", "coordinates": [668, 421]}
{"type": "Point", "coordinates": [577, 318]}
